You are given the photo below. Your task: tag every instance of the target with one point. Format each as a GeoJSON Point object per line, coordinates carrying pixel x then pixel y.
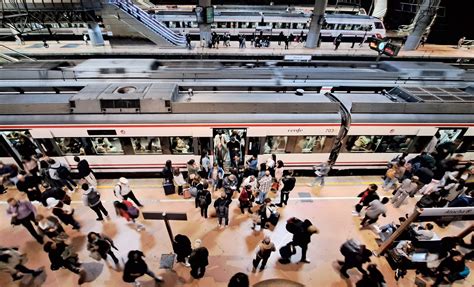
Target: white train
{"type": "Point", "coordinates": [136, 127]}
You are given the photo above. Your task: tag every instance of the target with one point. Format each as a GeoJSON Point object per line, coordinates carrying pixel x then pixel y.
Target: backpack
{"type": "Point", "coordinates": [63, 172]}
{"type": "Point", "coordinates": [221, 208]}
{"type": "Point", "coordinates": [350, 247]}
{"type": "Point", "coordinates": [133, 211]}
{"type": "Point", "coordinates": [93, 197]}
{"type": "Point", "coordinates": [202, 200]}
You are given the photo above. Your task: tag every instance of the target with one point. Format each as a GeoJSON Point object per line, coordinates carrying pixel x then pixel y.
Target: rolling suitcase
{"type": "Point", "coordinates": [169, 188]}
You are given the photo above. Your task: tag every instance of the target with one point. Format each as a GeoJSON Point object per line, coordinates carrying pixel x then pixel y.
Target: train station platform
{"type": "Point", "coordinates": [78, 49]}
{"type": "Point", "coordinates": [231, 249]}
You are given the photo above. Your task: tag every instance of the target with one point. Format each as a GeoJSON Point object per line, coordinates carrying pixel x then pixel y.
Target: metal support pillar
{"type": "Point", "coordinates": [424, 17]}
{"type": "Point", "coordinates": [95, 34]}
{"type": "Point", "coordinates": [204, 29]}
{"type": "Point", "coordinates": [317, 19]}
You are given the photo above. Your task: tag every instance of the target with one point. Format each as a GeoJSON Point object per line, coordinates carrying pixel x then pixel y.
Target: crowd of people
{"type": "Point", "coordinates": [438, 176]}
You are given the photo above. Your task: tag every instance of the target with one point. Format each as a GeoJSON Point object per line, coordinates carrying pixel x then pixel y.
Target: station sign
{"type": "Point", "coordinates": [446, 214]}
{"type": "Point", "coordinates": [209, 14]}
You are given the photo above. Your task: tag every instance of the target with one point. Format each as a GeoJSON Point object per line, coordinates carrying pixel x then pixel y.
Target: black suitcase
{"type": "Point", "coordinates": [169, 188]}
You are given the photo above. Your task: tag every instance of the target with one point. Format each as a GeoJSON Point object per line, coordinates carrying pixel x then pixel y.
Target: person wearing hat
{"type": "Point", "coordinates": [222, 209]}
{"type": "Point", "coordinates": [123, 192]}
{"type": "Point", "coordinates": [408, 186]}
{"type": "Point", "coordinates": [64, 212]}
{"type": "Point", "coordinates": [198, 259]}
{"type": "Point", "coordinates": [230, 186]}
{"type": "Point", "coordinates": [265, 249]}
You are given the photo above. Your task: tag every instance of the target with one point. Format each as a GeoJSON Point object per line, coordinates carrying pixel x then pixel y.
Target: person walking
{"type": "Point", "coordinates": [321, 172]}
{"type": "Point", "coordinates": [408, 187]}
{"type": "Point", "coordinates": [265, 249]}
{"type": "Point", "coordinates": [222, 209]}
{"type": "Point", "coordinates": [63, 211]}
{"type": "Point", "coordinates": [12, 261]}
{"type": "Point", "coordinates": [61, 256]}
{"type": "Point", "coordinates": [60, 174]}
{"type": "Point", "coordinates": [30, 185]}
{"type": "Point", "coordinates": [136, 267]}
{"type": "Point", "coordinates": [265, 184]}
{"type": "Point", "coordinates": [86, 39]}
{"type": "Point", "coordinates": [302, 238]}
{"type": "Point", "coordinates": [203, 199]}
{"type": "Point", "coordinates": [23, 213]}
{"type": "Point", "coordinates": [246, 198]}
{"type": "Point", "coordinates": [188, 41]}
{"type": "Point", "coordinates": [85, 172]}
{"type": "Point", "coordinates": [216, 176]}
{"type": "Point", "coordinates": [366, 197]}
{"type": "Point", "coordinates": [337, 41]}
{"type": "Point", "coordinates": [239, 280]}
{"type": "Point", "coordinates": [100, 246]}
{"type": "Point", "coordinates": [373, 279]}
{"type": "Point", "coordinates": [182, 248]}
{"type": "Point", "coordinates": [91, 198]}
{"type": "Point", "coordinates": [129, 212]}
{"type": "Point", "coordinates": [355, 255]}
{"type": "Point", "coordinates": [287, 42]}
{"type": "Point", "coordinates": [123, 191]}
{"type": "Point", "coordinates": [198, 260]}
{"type": "Point", "coordinates": [51, 227]}
{"type": "Point", "coordinates": [168, 171]}
{"type": "Point", "coordinates": [373, 212]}
{"type": "Point", "coordinates": [230, 186]}
{"type": "Point", "coordinates": [288, 182]}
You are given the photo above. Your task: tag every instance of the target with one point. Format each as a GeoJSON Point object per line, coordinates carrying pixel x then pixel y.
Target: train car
{"type": "Point", "coordinates": [136, 127]}
{"type": "Point", "coordinates": [273, 23]}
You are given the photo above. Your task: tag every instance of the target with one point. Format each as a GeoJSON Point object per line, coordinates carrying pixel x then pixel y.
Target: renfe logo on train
{"type": "Point", "coordinates": [296, 131]}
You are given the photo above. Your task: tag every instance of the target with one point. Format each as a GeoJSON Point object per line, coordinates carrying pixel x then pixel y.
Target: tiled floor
{"type": "Point", "coordinates": [231, 249]}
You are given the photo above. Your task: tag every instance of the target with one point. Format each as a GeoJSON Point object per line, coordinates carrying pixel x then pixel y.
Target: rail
{"type": "Point", "coordinates": [16, 52]}
{"type": "Point", "coordinates": [156, 26]}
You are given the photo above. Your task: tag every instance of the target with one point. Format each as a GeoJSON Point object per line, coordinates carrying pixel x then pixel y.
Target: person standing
{"type": "Point", "coordinates": [216, 175]}
{"type": "Point", "coordinates": [63, 211]}
{"type": "Point", "coordinates": [86, 39]}
{"type": "Point", "coordinates": [321, 172]}
{"type": "Point", "coordinates": [188, 41]}
{"type": "Point", "coordinates": [222, 209]}
{"type": "Point", "coordinates": [85, 172]}
{"type": "Point", "coordinates": [230, 186]}
{"type": "Point", "coordinates": [205, 165]}
{"type": "Point", "coordinates": [203, 199]}
{"type": "Point", "coordinates": [23, 213]}
{"type": "Point", "coordinates": [461, 42]}
{"type": "Point", "coordinates": [246, 199]}
{"type": "Point", "coordinates": [30, 185]}
{"type": "Point", "coordinates": [289, 182]}
{"type": "Point", "coordinates": [60, 174]}
{"type": "Point", "coordinates": [302, 238]}
{"type": "Point", "coordinates": [287, 42]}
{"type": "Point", "coordinates": [168, 171]}
{"type": "Point", "coordinates": [198, 260]}
{"type": "Point", "coordinates": [373, 212]}
{"type": "Point", "coordinates": [51, 227]}
{"type": "Point", "coordinates": [265, 184]}
{"type": "Point", "coordinates": [270, 163]}
{"type": "Point", "coordinates": [91, 198]}
{"type": "Point", "coordinates": [182, 248]}
{"type": "Point", "coordinates": [12, 261]}
{"type": "Point", "coordinates": [281, 38]}
{"type": "Point", "coordinates": [136, 267]}
{"type": "Point", "coordinates": [408, 187]}
{"type": "Point", "coordinates": [265, 249]}
{"type": "Point", "coordinates": [123, 192]}
{"type": "Point", "coordinates": [252, 165]}
{"type": "Point", "coordinates": [337, 41]}
{"type": "Point", "coordinates": [102, 245]}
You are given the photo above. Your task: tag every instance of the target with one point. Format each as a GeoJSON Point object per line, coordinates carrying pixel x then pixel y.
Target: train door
{"type": "Point", "coordinates": [228, 144]}
{"type": "Point", "coordinates": [18, 144]}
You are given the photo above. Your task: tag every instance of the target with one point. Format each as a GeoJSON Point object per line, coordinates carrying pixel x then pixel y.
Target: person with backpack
{"type": "Point", "coordinates": [62, 256]}
{"type": "Point", "coordinates": [182, 248]}
{"type": "Point", "coordinates": [60, 174]}
{"type": "Point", "coordinates": [198, 259]}
{"type": "Point", "coordinates": [222, 209]}
{"type": "Point", "coordinates": [302, 237]}
{"type": "Point", "coordinates": [289, 182]}
{"type": "Point", "coordinates": [126, 210]}
{"type": "Point", "coordinates": [136, 267]}
{"type": "Point", "coordinates": [123, 191]}
{"type": "Point", "coordinates": [91, 198]}
{"type": "Point", "coordinates": [12, 261]}
{"type": "Point", "coordinates": [85, 172]}
{"type": "Point", "coordinates": [203, 199]}
{"type": "Point", "coordinates": [63, 211]}
{"type": "Point", "coordinates": [355, 255]}
{"type": "Point", "coordinates": [265, 249]}
{"type": "Point", "coordinates": [51, 227]}
{"type": "Point", "coordinates": [100, 246]}
{"type": "Point", "coordinates": [373, 279]}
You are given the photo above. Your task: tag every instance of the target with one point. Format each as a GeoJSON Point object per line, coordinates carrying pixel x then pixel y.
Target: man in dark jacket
{"type": "Point", "coordinates": [198, 260]}
{"type": "Point", "coordinates": [289, 182]}
{"type": "Point", "coordinates": [136, 267]}
{"type": "Point", "coordinates": [354, 257]}
{"type": "Point", "coordinates": [85, 172]}
{"type": "Point", "coordinates": [302, 237]}
{"type": "Point", "coordinates": [204, 199]}
{"type": "Point", "coordinates": [463, 200]}
{"type": "Point", "coordinates": [366, 197]}
{"type": "Point", "coordinates": [29, 185]}
{"type": "Point", "coordinates": [61, 255]}
{"type": "Point", "coordinates": [182, 248]}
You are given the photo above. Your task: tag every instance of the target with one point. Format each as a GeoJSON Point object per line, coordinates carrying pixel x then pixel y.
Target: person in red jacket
{"type": "Point", "coordinates": [246, 198]}
{"type": "Point", "coordinates": [128, 211]}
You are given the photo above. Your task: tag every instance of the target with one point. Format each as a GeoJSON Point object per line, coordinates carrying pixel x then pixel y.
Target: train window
{"type": "Point", "coordinates": [362, 143]}
{"type": "Point", "coordinates": [178, 24]}
{"type": "Point", "coordinates": [275, 144]}
{"type": "Point", "coordinates": [395, 144]}
{"type": "Point", "coordinates": [49, 147]}
{"type": "Point", "coordinates": [419, 144]}
{"type": "Point", "coordinates": [329, 26]}
{"type": "Point", "coordinates": [378, 25]}
{"type": "Point", "coordinates": [240, 24]}
{"type": "Point", "coordinates": [21, 142]}
{"type": "Point", "coordinates": [309, 144]}
{"type": "Point", "coordinates": [146, 145]}
{"type": "Point", "coordinates": [181, 145]}
{"type": "Point", "coordinates": [104, 145]}
{"type": "Point", "coordinates": [75, 146]}
{"type": "Point", "coordinates": [221, 24]}
{"type": "Point", "coordinates": [253, 146]}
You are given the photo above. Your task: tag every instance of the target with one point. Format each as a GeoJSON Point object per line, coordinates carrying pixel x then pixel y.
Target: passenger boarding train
{"type": "Point", "coordinates": [143, 142]}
